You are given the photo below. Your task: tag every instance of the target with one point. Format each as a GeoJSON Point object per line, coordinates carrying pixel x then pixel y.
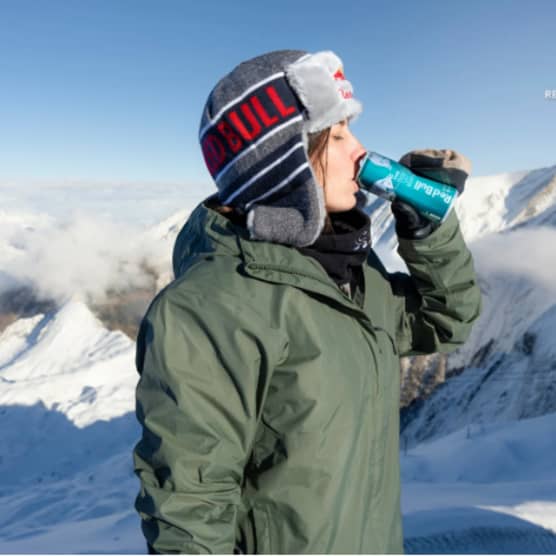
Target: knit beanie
{"type": "Point", "coordinates": [254, 138]}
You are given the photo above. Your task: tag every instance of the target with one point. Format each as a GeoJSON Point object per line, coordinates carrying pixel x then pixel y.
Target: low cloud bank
{"type": "Point", "coordinates": [526, 252]}
{"type": "Point", "coordinates": [86, 256]}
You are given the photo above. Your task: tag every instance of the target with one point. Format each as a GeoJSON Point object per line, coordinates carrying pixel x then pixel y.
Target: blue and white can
{"type": "Point", "coordinates": [391, 180]}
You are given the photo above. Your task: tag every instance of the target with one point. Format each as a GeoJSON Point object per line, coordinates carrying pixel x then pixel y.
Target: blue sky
{"type": "Point", "coordinates": [113, 90]}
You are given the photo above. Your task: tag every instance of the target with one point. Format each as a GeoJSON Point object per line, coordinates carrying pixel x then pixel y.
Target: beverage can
{"type": "Point", "coordinates": [391, 180]}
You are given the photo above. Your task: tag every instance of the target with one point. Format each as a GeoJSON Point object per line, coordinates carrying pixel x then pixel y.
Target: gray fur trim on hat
{"type": "Point", "coordinates": [319, 81]}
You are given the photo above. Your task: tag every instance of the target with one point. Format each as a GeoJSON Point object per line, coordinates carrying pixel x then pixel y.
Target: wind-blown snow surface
{"type": "Point", "coordinates": [486, 489]}
{"type": "Point", "coordinates": [475, 479]}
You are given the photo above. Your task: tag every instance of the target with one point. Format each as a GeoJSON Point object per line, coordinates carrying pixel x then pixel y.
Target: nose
{"type": "Point", "coordinates": [358, 151]}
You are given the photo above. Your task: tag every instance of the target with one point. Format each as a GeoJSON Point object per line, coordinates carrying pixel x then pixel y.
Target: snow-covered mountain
{"type": "Point", "coordinates": [66, 396]}
{"type": "Point", "coordinates": [478, 456]}
{"type": "Point", "coordinates": [507, 369]}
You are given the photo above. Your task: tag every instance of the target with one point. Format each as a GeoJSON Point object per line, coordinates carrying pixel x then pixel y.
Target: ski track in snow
{"type": "Point", "coordinates": [68, 384]}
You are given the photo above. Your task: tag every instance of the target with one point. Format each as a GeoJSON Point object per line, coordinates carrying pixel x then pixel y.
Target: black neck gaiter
{"type": "Point", "coordinates": [343, 251]}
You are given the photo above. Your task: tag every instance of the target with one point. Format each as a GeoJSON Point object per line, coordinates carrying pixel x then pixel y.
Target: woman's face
{"type": "Point", "coordinates": [341, 156]}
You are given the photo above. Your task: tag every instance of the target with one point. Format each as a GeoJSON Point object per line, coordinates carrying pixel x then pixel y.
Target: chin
{"type": "Point", "coordinates": [341, 205]}
{"type": "Point", "coordinates": [350, 203]}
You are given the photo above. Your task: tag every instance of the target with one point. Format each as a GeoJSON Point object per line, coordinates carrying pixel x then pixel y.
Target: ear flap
{"type": "Point", "coordinates": [297, 219]}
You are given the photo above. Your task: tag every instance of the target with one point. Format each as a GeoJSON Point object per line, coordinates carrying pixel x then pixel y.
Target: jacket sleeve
{"type": "Point", "coordinates": [439, 301]}
{"type": "Point", "coordinates": [205, 370]}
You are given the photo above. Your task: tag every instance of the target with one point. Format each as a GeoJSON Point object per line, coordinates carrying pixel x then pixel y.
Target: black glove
{"type": "Point", "coordinates": [409, 223]}
{"type": "Point", "coordinates": [442, 165]}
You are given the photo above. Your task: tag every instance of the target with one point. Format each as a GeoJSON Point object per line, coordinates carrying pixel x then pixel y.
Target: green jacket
{"type": "Point", "coordinates": [269, 399]}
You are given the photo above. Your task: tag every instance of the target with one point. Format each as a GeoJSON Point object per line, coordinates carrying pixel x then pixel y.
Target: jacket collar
{"type": "Point", "coordinates": [343, 250]}
{"type": "Point", "coordinates": [209, 233]}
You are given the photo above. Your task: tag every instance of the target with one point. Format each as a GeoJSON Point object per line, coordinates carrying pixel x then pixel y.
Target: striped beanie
{"type": "Point", "coordinates": [254, 138]}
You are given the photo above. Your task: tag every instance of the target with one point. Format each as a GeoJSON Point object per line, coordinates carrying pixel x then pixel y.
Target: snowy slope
{"type": "Point", "coordinates": [70, 362]}
{"type": "Point", "coordinates": [67, 483]}
{"type": "Point", "coordinates": [490, 489]}
{"type": "Point", "coordinates": [67, 383]}
{"type": "Point", "coordinates": [66, 402]}
{"type": "Point", "coordinates": [507, 368]}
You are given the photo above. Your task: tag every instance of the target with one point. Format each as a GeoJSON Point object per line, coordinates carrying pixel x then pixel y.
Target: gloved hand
{"type": "Point", "coordinates": [442, 165]}
{"type": "Point", "coordinates": [409, 223]}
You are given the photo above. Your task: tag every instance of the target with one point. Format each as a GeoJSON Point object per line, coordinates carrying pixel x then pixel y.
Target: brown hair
{"type": "Point", "coordinates": [318, 155]}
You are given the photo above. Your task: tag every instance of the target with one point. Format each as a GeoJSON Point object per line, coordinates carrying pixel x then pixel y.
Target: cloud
{"type": "Point", "coordinates": [526, 252]}
{"type": "Point", "coordinates": [85, 256]}
{"type": "Point", "coordinates": [94, 257]}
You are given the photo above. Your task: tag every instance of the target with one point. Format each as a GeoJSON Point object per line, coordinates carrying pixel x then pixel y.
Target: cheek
{"type": "Point", "coordinates": [339, 167]}
{"type": "Point", "coordinates": [334, 163]}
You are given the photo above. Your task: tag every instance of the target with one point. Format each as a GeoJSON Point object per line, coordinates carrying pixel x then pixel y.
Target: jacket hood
{"type": "Point", "coordinates": [205, 233]}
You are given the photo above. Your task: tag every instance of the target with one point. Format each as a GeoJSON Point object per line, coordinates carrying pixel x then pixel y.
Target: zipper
{"type": "Point", "coordinates": [251, 533]}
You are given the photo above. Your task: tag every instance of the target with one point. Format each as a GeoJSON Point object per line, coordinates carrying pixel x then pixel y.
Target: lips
{"type": "Point", "coordinates": [357, 166]}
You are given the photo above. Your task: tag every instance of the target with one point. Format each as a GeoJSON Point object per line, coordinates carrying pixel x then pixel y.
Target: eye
{"type": "Point", "coordinates": [337, 137]}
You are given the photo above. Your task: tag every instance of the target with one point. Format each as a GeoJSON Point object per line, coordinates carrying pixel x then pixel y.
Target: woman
{"type": "Point", "coordinates": [269, 389]}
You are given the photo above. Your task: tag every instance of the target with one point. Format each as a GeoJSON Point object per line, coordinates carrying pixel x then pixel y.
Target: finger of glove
{"type": "Point", "coordinates": [409, 223]}
{"type": "Point", "coordinates": [407, 215]}
{"type": "Point", "coordinates": [442, 165]}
